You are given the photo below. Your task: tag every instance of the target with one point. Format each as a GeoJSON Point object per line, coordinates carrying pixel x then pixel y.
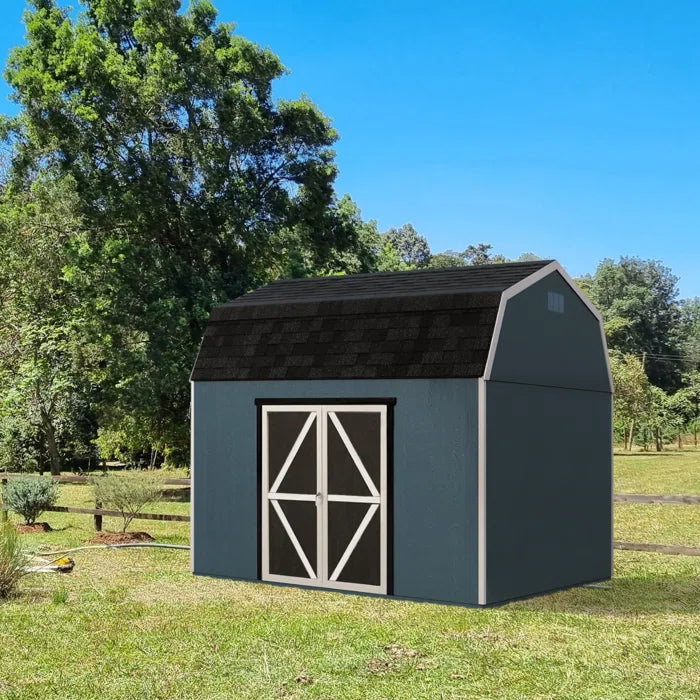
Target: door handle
{"type": "Point", "coordinates": [319, 498]}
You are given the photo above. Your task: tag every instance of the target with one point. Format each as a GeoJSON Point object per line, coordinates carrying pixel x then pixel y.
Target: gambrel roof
{"type": "Point", "coordinates": [389, 325]}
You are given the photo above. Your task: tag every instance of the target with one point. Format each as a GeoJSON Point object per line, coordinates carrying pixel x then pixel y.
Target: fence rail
{"type": "Point", "coordinates": [82, 478]}
{"type": "Point", "coordinates": [97, 512]}
{"type": "Point", "coordinates": [660, 548]}
{"type": "Point", "coordinates": [115, 513]}
{"type": "Point", "coordinates": [670, 499]}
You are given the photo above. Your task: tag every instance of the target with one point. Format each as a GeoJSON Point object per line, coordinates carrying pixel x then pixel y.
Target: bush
{"type": "Point", "coordinates": [12, 560]}
{"type": "Point", "coordinates": [128, 493]}
{"type": "Point", "coordinates": [31, 497]}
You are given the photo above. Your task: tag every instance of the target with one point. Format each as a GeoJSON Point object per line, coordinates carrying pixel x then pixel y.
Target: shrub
{"type": "Point", "coordinates": [128, 493]}
{"type": "Point", "coordinates": [12, 560]}
{"type": "Point", "coordinates": [31, 497]}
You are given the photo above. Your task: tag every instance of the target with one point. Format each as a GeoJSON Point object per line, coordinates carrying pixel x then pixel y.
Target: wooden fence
{"type": "Point", "coordinates": [97, 512]}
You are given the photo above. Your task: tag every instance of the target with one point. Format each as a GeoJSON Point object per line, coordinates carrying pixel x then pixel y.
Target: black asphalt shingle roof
{"type": "Point", "coordinates": [390, 325]}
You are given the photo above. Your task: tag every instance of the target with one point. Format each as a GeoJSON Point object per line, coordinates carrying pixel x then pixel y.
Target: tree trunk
{"type": "Point", "coordinates": [631, 434]}
{"type": "Point", "coordinates": [657, 437]}
{"type": "Point", "coordinates": [680, 440]}
{"type": "Point", "coordinates": [50, 433]}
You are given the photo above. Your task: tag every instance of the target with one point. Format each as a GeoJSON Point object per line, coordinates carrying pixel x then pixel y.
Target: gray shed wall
{"type": "Point", "coordinates": [538, 346]}
{"type": "Point", "coordinates": [435, 478]}
{"type": "Point", "coordinates": [548, 447]}
{"type": "Point", "coordinates": [548, 488]}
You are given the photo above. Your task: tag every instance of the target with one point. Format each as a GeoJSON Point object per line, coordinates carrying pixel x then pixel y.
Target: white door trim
{"type": "Point", "coordinates": [272, 497]}
{"type": "Point", "coordinates": [319, 416]}
{"type": "Point", "coordinates": [293, 452]}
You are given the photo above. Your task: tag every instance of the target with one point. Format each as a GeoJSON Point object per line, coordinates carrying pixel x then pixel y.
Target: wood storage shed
{"type": "Point", "coordinates": [438, 435]}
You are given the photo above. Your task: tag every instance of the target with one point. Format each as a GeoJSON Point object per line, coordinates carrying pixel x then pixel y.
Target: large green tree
{"type": "Point", "coordinates": [191, 183]}
{"type": "Point", "coordinates": [45, 407]}
{"type": "Point", "coordinates": [412, 248]}
{"type": "Point", "coordinates": [689, 332]}
{"type": "Point", "coordinates": [639, 303]}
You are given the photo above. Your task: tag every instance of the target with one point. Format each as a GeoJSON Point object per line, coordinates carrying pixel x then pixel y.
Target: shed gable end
{"type": "Point", "coordinates": [550, 337]}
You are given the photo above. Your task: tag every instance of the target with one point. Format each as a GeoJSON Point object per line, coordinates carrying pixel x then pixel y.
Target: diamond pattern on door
{"type": "Point", "coordinates": [324, 496]}
{"type": "Point", "coordinates": [353, 453]}
{"type": "Point", "coordinates": [292, 541]}
{"type": "Point", "coordinates": [353, 535]}
{"type": "Point", "coordinates": [291, 469]}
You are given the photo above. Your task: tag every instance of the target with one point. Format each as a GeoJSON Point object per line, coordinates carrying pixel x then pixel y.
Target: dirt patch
{"type": "Point", "coordinates": [34, 527]}
{"type": "Point", "coordinates": [397, 652]}
{"type": "Point", "coordinates": [302, 679]}
{"type": "Point", "coordinates": [121, 537]}
{"type": "Point", "coordinates": [379, 666]}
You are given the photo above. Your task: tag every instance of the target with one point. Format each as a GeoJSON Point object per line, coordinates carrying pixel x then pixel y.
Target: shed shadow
{"type": "Point", "coordinates": [629, 595]}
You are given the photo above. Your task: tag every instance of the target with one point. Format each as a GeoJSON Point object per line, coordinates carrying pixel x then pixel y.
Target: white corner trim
{"type": "Point", "coordinates": [481, 491]}
{"type": "Point", "coordinates": [612, 490]}
{"type": "Point", "coordinates": [523, 285]}
{"type": "Point", "coordinates": [191, 477]}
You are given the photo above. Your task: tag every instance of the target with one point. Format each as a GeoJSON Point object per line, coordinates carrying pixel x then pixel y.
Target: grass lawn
{"type": "Point", "coordinates": [670, 471]}
{"type": "Point", "coordinates": [662, 524]}
{"type": "Point", "coordinates": [135, 623]}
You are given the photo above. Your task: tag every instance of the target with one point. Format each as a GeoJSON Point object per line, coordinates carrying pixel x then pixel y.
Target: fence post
{"type": "Point", "coordinates": [3, 512]}
{"type": "Point", "coordinates": [98, 518]}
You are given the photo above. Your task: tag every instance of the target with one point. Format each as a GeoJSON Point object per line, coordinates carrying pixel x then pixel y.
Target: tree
{"type": "Point", "coordinates": [412, 248]}
{"type": "Point", "coordinates": [191, 185]}
{"type": "Point", "coordinates": [681, 410]}
{"type": "Point", "coordinates": [692, 380]}
{"type": "Point", "coordinates": [480, 254]}
{"type": "Point", "coordinates": [688, 335]}
{"type": "Point", "coordinates": [345, 217]}
{"type": "Point", "coordinates": [448, 258]}
{"type": "Point", "coordinates": [638, 302]}
{"type": "Point", "coordinates": [44, 401]}
{"type": "Point", "coordinates": [632, 394]}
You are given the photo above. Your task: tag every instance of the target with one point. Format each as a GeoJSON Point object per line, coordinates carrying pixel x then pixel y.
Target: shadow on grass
{"type": "Point", "coordinates": [628, 595]}
{"type": "Point", "coordinates": [665, 453]}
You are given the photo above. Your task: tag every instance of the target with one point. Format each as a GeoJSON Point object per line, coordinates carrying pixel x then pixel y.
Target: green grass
{"type": "Point", "coordinates": [135, 623]}
{"type": "Point", "coordinates": [670, 471]}
{"type": "Point", "coordinates": [662, 524]}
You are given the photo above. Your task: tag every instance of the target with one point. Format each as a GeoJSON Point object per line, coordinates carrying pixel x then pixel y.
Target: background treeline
{"type": "Point", "coordinates": [149, 175]}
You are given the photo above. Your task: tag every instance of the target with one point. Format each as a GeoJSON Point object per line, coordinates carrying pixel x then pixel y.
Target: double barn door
{"type": "Point", "coordinates": [324, 487]}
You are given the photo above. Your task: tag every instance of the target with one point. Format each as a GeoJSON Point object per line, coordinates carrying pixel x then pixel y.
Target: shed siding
{"type": "Point", "coordinates": [435, 478]}
{"type": "Point", "coordinates": [538, 346]}
{"type": "Point", "coordinates": [548, 488]}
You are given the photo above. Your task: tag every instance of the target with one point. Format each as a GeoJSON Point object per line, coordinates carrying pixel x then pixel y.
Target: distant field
{"type": "Point", "coordinates": [670, 471]}
{"type": "Point", "coordinates": [135, 623]}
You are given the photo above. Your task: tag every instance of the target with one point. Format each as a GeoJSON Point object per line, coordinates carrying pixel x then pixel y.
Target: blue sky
{"type": "Point", "coordinates": [568, 129]}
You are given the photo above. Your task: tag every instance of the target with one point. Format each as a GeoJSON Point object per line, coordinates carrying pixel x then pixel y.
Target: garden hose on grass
{"type": "Point", "coordinates": [64, 564]}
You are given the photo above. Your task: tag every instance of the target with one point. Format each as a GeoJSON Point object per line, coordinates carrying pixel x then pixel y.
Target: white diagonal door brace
{"type": "Point", "coordinates": [293, 538]}
{"type": "Point", "coordinates": [353, 542]}
{"type": "Point", "coordinates": [353, 453]}
{"type": "Point", "coordinates": [293, 453]}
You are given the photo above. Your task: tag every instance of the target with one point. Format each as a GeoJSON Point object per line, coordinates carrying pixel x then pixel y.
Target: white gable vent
{"type": "Point", "coordinates": [555, 302]}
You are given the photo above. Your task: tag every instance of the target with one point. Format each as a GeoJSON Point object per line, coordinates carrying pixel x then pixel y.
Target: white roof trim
{"type": "Point", "coordinates": [528, 282]}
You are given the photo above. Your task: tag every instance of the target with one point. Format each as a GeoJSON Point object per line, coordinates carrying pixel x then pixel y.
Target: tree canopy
{"type": "Point", "coordinates": [187, 184]}
{"type": "Point", "coordinates": [150, 175]}
{"type": "Point", "coordinates": [639, 303]}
